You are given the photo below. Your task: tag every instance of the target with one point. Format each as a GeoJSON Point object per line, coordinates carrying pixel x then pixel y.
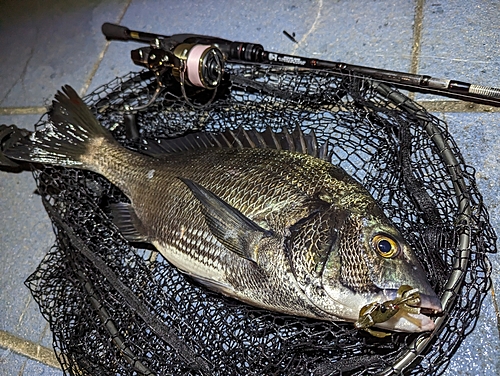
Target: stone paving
{"type": "Point", "coordinates": [47, 44]}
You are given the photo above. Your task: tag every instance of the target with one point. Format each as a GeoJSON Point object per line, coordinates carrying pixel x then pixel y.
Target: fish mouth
{"type": "Point", "coordinates": [430, 305]}
{"type": "Point", "coordinates": [415, 315]}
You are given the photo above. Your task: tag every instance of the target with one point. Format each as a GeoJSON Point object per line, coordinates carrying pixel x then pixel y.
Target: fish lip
{"type": "Point", "coordinates": [430, 305]}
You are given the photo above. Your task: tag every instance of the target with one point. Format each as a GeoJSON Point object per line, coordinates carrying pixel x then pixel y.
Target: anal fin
{"type": "Point", "coordinates": [211, 284]}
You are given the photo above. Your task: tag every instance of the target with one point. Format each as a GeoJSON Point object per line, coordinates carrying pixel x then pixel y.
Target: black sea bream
{"type": "Point", "coordinates": [261, 217]}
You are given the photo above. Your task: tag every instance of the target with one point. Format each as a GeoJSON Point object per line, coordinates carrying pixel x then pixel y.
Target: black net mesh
{"type": "Point", "coordinates": [118, 310]}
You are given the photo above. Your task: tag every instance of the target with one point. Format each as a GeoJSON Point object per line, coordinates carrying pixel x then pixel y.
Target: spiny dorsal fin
{"type": "Point", "coordinates": [300, 140]}
{"type": "Point", "coordinates": [323, 152]}
{"type": "Point", "coordinates": [270, 139]}
{"type": "Point", "coordinates": [312, 145]}
{"type": "Point", "coordinates": [287, 140]}
{"type": "Point", "coordinates": [239, 138]}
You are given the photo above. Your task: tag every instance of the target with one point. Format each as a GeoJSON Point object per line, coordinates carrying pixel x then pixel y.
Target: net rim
{"type": "Point", "coordinates": [453, 285]}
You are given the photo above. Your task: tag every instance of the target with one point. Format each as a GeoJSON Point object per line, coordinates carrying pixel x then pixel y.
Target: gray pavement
{"type": "Point", "coordinates": [47, 44]}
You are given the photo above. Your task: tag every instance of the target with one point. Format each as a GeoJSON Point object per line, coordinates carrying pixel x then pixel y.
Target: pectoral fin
{"type": "Point", "coordinates": [233, 229]}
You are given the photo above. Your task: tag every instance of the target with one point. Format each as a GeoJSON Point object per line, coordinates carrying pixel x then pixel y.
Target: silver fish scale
{"type": "Point", "coordinates": [275, 189]}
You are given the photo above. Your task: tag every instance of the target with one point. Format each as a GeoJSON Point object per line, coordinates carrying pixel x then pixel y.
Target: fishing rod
{"type": "Point", "coordinates": [198, 60]}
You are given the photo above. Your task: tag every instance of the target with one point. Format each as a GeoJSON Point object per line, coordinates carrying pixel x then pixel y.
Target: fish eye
{"type": "Point", "coordinates": [386, 246]}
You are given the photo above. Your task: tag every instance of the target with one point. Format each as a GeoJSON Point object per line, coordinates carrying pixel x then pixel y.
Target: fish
{"type": "Point", "coordinates": [260, 216]}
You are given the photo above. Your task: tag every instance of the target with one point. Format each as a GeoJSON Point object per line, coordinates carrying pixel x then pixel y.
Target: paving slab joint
{"type": "Point", "coordinates": [29, 349]}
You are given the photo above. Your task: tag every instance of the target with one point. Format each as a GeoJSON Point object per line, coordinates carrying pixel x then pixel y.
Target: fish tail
{"type": "Point", "coordinates": [68, 139]}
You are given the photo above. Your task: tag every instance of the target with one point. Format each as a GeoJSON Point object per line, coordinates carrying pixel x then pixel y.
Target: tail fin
{"type": "Point", "coordinates": [66, 138]}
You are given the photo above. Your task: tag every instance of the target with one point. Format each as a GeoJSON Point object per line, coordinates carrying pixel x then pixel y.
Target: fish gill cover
{"type": "Point", "coordinates": [115, 309]}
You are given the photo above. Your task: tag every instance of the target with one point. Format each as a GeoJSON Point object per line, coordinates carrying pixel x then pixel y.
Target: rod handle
{"type": "Point", "coordinates": [115, 32]}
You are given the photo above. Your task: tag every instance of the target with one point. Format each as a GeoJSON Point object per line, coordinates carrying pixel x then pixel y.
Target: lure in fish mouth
{"type": "Point", "coordinates": [408, 303]}
{"type": "Point", "coordinates": [263, 217]}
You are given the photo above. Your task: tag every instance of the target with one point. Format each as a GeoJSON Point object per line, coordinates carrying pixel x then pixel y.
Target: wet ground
{"type": "Point", "coordinates": [47, 44]}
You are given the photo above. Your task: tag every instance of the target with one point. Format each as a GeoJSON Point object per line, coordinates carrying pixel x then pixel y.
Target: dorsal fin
{"type": "Point", "coordinates": [323, 152]}
{"type": "Point", "coordinates": [300, 140]}
{"type": "Point", "coordinates": [312, 144]}
{"type": "Point", "coordinates": [270, 139]}
{"type": "Point", "coordinates": [296, 141]}
{"type": "Point", "coordinates": [287, 139]}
